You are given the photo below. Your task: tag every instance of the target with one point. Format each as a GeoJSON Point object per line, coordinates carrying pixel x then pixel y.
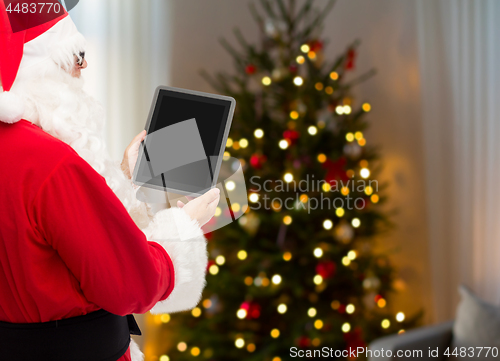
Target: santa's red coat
{"type": "Point", "coordinates": [67, 244]}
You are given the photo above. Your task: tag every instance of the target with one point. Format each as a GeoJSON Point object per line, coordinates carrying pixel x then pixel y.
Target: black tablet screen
{"type": "Point", "coordinates": [211, 117]}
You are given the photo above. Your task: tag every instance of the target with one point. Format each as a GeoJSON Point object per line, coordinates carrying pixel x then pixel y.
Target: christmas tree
{"type": "Point", "coordinates": [298, 269]}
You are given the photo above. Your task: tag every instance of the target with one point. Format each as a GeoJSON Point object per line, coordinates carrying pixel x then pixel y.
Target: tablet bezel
{"type": "Point", "coordinates": [224, 137]}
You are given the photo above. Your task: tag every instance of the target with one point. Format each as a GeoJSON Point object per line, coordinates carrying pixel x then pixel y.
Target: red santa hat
{"type": "Point", "coordinates": [47, 38]}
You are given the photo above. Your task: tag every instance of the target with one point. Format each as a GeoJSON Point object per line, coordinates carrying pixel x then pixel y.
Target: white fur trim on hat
{"type": "Point", "coordinates": [60, 43]}
{"type": "Point", "coordinates": [184, 242]}
{"type": "Point", "coordinates": [11, 107]}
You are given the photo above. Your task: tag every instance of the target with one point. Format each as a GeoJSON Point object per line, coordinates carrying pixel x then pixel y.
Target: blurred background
{"type": "Point", "coordinates": [434, 108]}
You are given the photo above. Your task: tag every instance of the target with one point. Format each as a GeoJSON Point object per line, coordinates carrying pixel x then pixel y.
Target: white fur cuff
{"type": "Point", "coordinates": [183, 240]}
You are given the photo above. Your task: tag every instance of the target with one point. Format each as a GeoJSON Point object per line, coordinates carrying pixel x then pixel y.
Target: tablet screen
{"type": "Point", "coordinates": [211, 116]}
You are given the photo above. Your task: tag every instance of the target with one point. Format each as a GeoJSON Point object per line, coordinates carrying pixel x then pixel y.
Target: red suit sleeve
{"type": "Point", "coordinates": [81, 218]}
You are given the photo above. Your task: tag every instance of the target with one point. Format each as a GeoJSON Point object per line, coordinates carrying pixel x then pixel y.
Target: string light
{"type": "Point", "coordinates": [318, 86]}
{"type": "Point", "coordinates": [315, 342]}
{"type": "Point", "coordinates": [251, 347]}
{"type": "Point", "coordinates": [386, 323]}
{"type": "Point", "coordinates": [311, 54]}
{"type": "Point", "coordinates": [218, 211]}
{"type": "Point", "coordinates": [335, 305]}
{"type": "Point", "coordinates": [259, 133]}
{"type": "Point", "coordinates": [282, 308]}
{"type": "Point", "coordinates": [339, 109]}
{"type": "Point", "coordinates": [367, 107]}
{"type": "Point", "coordinates": [346, 261]}
{"type": "Point", "coordinates": [265, 282]}
{"type": "Point", "coordinates": [235, 207]}
{"type": "Point", "coordinates": [195, 351]}
{"type": "Point", "coordinates": [339, 212]}
{"type": "Point", "coordinates": [298, 81]}
{"type": "Point", "coordinates": [358, 135]}
{"type": "Point", "coordinates": [243, 143]}
{"type": "Point", "coordinates": [362, 142]}
{"type": "Point", "coordinates": [226, 156]}
{"type": "Point", "coordinates": [364, 172]}
{"type": "Point", "coordinates": [321, 158]}
{"type": "Point", "coordinates": [334, 75]}
{"type": "Point", "coordinates": [321, 124]}
{"type": "Point", "coordinates": [276, 358]}
{"type": "Point", "coordinates": [347, 109]}
{"type": "Point", "coordinates": [318, 252]}
{"type": "Point", "coordinates": [253, 197]}
{"type": "Point", "coordinates": [400, 317]}
{"type": "Point", "coordinates": [283, 144]}
{"type": "Point", "coordinates": [305, 48]}
{"type": "Point", "coordinates": [363, 163]}
{"type": "Point", "coordinates": [368, 190]}
{"type": "Point", "coordinates": [236, 145]}
{"type": "Point", "coordinates": [318, 279]}
{"type": "Point", "coordinates": [287, 256]}
{"type": "Point", "coordinates": [229, 143]}
{"type": "Point", "coordinates": [288, 177]}
{"type": "Point", "coordinates": [242, 255]}
{"type": "Point", "coordinates": [300, 59]}
{"type": "Point", "coordinates": [241, 313]}
{"type": "Point", "coordinates": [266, 81]}
{"type": "Point", "coordinates": [349, 137]}
{"type": "Point", "coordinates": [275, 333]}
{"type": "Point", "coordinates": [164, 358]}
{"type": "Point", "coordinates": [248, 280]}
{"type": "Point", "coordinates": [276, 279]}
{"type": "Point", "coordinates": [304, 198]}
{"type": "Point", "coordinates": [196, 312]}
{"type": "Point", "coordinates": [230, 185]}
{"type": "Point", "coordinates": [312, 130]}
{"type": "Point", "coordinates": [356, 222]}
{"type": "Point", "coordinates": [311, 312]}
{"type": "Point", "coordinates": [165, 318]}
{"type": "Point", "coordinates": [214, 269]}
{"type": "Point", "coordinates": [318, 324]}
{"type": "Point", "coordinates": [239, 342]}
{"type": "Point", "coordinates": [326, 187]}
{"type": "Point", "coordinates": [181, 346]}
{"type": "Point", "coordinates": [344, 190]}
{"type": "Point", "coordinates": [381, 303]}
{"type": "Point", "coordinates": [346, 327]}
{"type": "Point", "coordinates": [352, 255]}
{"type": "Point", "coordinates": [329, 90]}
{"type": "Point", "coordinates": [220, 260]}
{"type": "Point", "coordinates": [207, 303]}
{"type": "Point", "coordinates": [350, 308]}
{"type": "Point", "coordinates": [401, 331]}
{"type": "Point", "coordinates": [294, 114]}
{"type": "Point", "coordinates": [374, 198]}
{"type": "Point", "coordinates": [327, 224]}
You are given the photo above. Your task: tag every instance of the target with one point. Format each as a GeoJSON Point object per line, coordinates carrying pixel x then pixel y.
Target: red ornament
{"type": "Point", "coordinates": [257, 160]}
{"type": "Point", "coordinates": [341, 309]}
{"type": "Point", "coordinates": [252, 308]}
{"type": "Point", "coordinates": [303, 342]}
{"type": "Point", "coordinates": [250, 69]}
{"type": "Point", "coordinates": [326, 269]}
{"type": "Point", "coordinates": [335, 170]}
{"type": "Point", "coordinates": [350, 58]}
{"type": "Point", "coordinates": [316, 45]}
{"type": "Point", "coordinates": [354, 340]}
{"type": "Point", "coordinates": [377, 298]}
{"type": "Point", "coordinates": [210, 262]}
{"type": "Point", "coordinates": [291, 136]}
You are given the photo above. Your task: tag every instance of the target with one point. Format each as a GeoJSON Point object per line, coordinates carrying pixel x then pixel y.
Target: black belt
{"type": "Point", "coordinates": [96, 336]}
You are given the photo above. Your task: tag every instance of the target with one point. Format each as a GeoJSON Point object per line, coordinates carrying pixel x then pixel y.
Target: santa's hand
{"type": "Point", "coordinates": [202, 209]}
{"type": "Point", "coordinates": [131, 154]}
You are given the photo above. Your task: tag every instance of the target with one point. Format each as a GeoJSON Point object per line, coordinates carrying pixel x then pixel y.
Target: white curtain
{"type": "Point", "coordinates": [459, 47]}
{"type": "Point", "coordinates": [128, 56]}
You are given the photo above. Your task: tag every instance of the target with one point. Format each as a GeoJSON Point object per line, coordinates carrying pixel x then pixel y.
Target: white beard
{"type": "Point", "coordinates": [56, 102]}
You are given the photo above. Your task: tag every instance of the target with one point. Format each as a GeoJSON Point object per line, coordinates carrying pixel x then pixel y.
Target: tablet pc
{"type": "Point", "coordinates": [186, 137]}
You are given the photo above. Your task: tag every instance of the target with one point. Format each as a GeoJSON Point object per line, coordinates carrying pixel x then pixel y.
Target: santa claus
{"type": "Point", "coordinates": [78, 252]}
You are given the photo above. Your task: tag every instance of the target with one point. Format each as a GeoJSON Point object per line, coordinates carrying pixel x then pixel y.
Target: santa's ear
{"type": "Point", "coordinates": [11, 107]}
